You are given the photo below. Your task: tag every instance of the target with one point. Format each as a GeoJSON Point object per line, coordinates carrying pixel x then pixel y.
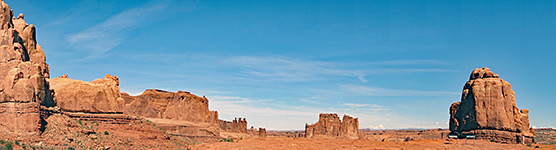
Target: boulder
{"type": "Point", "coordinates": [330, 125]}
{"type": "Point", "coordinates": [488, 103]}
{"type": "Point", "coordinates": [99, 96]}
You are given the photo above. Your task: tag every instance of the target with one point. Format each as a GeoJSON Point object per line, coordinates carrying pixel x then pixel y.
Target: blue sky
{"type": "Point", "coordinates": [392, 64]}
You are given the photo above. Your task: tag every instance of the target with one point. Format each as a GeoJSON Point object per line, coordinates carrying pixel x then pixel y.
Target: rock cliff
{"type": "Point", "coordinates": [180, 105]}
{"type": "Point", "coordinates": [488, 110]}
{"type": "Point", "coordinates": [99, 96]}
{"type": "Point", "coordinates": [23, 74]}
{"type": "Point", "coordinates": [330, 125]}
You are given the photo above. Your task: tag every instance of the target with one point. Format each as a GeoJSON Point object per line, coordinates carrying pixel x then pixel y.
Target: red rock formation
{"type": "Point", "coordinates": [488, 110]}
{"type": "Point", "coordinates": [329, 125]}
{"type": "Point", "coordinates": [179, 105]}
{"type": "Point", "coordinates": [262, 133]}
{"type": "Point", "coordinates": [23, 74]}
{"type": "Point", "coordinates": [235, 126]}
{"type": "Point", "coordinates": [98, 96]}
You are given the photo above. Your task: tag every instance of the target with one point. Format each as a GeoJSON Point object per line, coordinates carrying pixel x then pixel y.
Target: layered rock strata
{"type": "Point", "coordinates": [488, 110]}
{"type": "Point", "coordinates": [99, 96]}
{"type": "Point", "coordinates": [23, 74]}
{"type": "Point", "coordinates": [330, 125]}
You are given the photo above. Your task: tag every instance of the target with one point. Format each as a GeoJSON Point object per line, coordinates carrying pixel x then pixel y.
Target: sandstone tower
{"type": "Point", "coordinates": [488, 110]}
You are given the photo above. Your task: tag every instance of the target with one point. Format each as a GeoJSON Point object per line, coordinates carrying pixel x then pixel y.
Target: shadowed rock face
{"type": "Point", "coordinates": [179, 105]}
{"type": "Point", "coordinates": [99, 96]}
{"type": "Point", "coordinates": [23, 74]}
{"type": "Point", "coordinates": [329, 125]}
{"type": "Point", "coordinates": [488, 103]}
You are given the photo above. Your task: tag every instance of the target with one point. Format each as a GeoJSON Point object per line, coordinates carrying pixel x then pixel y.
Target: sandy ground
{"type": "Point", "coordinates": [331, 144]}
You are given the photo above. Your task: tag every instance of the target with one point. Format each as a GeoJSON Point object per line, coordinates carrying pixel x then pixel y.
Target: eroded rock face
{"type": "Point", "coordinates": [23, 67]}
{"type": "Point", "coordinates": [235, 126]}
{"type": "Point", "coordinates": [488, 103]}
{"type": "Point", "coordinates": [180, 105]}
{"type": "Point", "coordinates": [99, 96]}
{"type": "Point", "coordinates": [23, 74]}
{"type": "Point", "coordinates": [330, 125]}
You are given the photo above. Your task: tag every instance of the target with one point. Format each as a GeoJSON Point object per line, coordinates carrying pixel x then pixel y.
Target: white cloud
{"type": "Point", "coordinates": [103, 37]}
{"type": "Point", "coordinates": [376, 91]}
{"type": "Point", "coordinates": [361, 105]}
{"type": "Point", "coordinates": [380, 126]}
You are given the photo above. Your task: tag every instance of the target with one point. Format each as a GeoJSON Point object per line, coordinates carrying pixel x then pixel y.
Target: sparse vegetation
{"type": "Point", "coordinates": [9, 146]}
{"type": "Point", "coordinates": [227, 140]}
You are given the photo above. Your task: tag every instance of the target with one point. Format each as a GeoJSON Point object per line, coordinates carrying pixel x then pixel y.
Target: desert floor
{"type": "Point", "coordinates": [323, 144]}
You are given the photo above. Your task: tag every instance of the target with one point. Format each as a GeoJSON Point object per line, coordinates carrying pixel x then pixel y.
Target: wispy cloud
{"type": "Point", "coordinates": [408, 62]}
{"type": "Point", "coordinates": [376, 91]}
{"type": "Point", "coordinates": [361, 105]}
{"type": "Point", "coordinates": [105, 36]}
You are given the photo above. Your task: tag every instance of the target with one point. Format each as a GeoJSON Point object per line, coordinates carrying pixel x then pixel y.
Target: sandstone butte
{"type": "Point", "coordinates": [488, 110]}
{"type": "Point", "coordinates": [330, 125]}
{"type": "Point", "coordinates": [28, 97]}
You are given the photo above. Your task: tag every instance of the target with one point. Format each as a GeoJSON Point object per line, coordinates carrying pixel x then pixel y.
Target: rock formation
{"type": "Point", "coordinates": [180, 105]}
{"type": "Point", "coordinates": [330, 125]}
{"type": "Point", "coordinates": [235, 126]}
{"type": "Point", "coordinates": [23, 74]}
{"type": "Point", "coordinates": [488, 110]}
{"type": "Point", "coordinates": [98, 96]}
{"type": "Point", "coordinates": [262, 133]}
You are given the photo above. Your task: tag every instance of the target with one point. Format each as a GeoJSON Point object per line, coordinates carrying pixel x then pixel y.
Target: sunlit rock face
{"type": "Point", "coordinates": [488, 110]}
{"type": "Point", "coordinates": [330, 125]}
{"type": "Point", "coordinates": [23, 73]}
{"type": "Point", "coordinates": [99, 96]}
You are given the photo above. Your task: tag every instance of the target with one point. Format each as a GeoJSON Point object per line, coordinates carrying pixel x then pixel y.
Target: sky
{"type": "Point", "coordinates": [392, 64]}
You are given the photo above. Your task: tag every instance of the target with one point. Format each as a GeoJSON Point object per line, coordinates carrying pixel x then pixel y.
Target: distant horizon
{"type": "Point", "coordinates": [393, 65]}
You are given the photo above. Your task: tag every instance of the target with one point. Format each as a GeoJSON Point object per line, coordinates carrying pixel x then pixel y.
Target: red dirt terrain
{"type": "Point", "coordinates": [334, 144]}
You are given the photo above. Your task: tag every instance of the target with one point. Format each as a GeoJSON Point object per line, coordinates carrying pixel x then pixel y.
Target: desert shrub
{"type": "Point", "coordinates": [10, 146]}
{"type": "Point", "coordinates": [71, 148]}
{"type": "Point", "coordinates": [16, 142]}
{"type": "Point", "coordinates": [106, 133]}
{"type": "Point", "coordinates": [537, 146]}
{"type": "Point", "coordinates": [23, 146]}
{"type": "Point", "coordinates": [383, 140]}
{"type": "Point", "coordinates": [2, 142]}
{"type": "Point", "coordinates": [227, 140]}
{"type": "Point", "coordinates": [491, 140]}
{"type": "Point", "coordinates": [79, 121]}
